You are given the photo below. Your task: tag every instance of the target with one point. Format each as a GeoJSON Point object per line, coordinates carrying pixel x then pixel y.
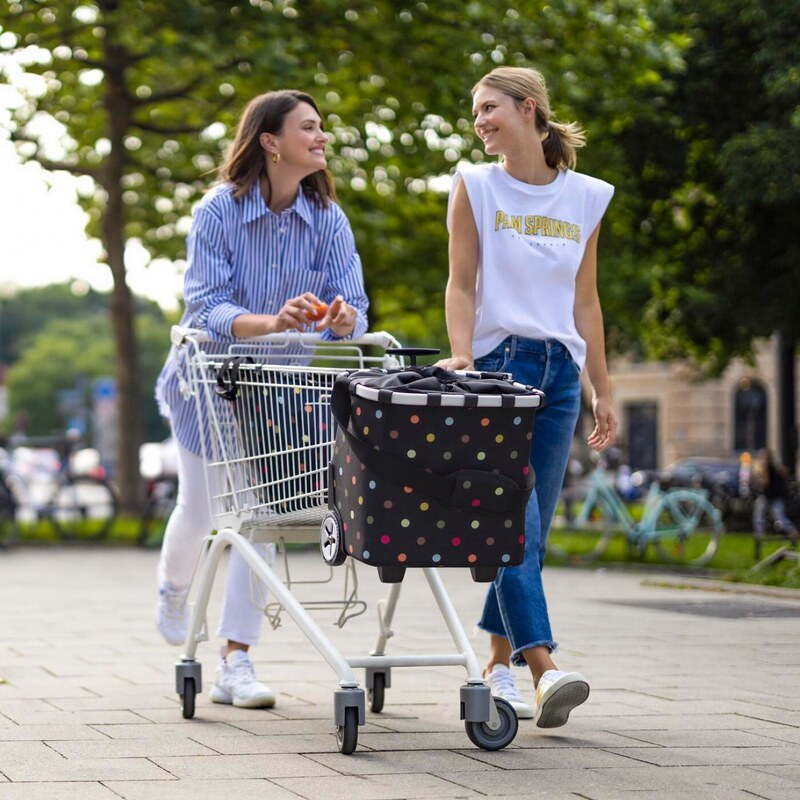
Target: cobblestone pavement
{"type": "Point", "coordinates": [695, 694]}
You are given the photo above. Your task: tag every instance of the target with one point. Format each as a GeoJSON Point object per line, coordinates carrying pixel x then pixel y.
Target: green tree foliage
{"type": "Point", "coordinates": [71, 352]}
{"type": "Point", "coordinates": [720, 185]}
{"type": "Point", "coordinates": [147, 92]}
{"type": "Point", "coordinates": [719, 194]}
{"type": "Point", "coordinates": [29, 310]}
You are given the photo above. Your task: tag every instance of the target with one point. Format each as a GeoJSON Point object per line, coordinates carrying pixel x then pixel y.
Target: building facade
{"type": "Point", "coordinates": [665, 413]}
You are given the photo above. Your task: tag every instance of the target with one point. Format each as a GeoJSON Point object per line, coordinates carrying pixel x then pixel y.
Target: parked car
{"type": "Point", "coordinates": [714, 474]}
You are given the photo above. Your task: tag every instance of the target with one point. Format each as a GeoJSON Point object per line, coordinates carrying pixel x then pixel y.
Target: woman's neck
{"type": "Point", "coordinates": [531, 169]}
{"type": "Point", "coordinates": [279, 194]}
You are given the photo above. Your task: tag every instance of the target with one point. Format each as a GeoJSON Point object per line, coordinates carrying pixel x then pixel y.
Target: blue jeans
{"type": "Point", "coordinates": [516, 607]}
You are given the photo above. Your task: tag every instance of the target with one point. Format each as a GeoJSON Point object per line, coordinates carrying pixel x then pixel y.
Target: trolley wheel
{"type": "Point", "coordinates": [481, 735]}
{"type": "Point", "coordinates": [330, 540]}
{"type": "Point", "coordinates": [347, 734]}
{"type": "Point", "coordinates": [375, 695]}
{"type": "Point", "coordinates": [188, 698]}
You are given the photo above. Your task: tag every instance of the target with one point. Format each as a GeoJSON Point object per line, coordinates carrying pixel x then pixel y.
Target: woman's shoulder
{"type": "Point", "coordinates": [329, 212]}
{"type": "Point", "coordinates": [590, 183]}
{"type": "Point", "coordinates": [474, 175]}
{"type": "Point", "coordinates": [217, 203]}
{"type": "Point", "coordinates": [477, 171]}
{"type": "Point", "coordinates": [219, 195]}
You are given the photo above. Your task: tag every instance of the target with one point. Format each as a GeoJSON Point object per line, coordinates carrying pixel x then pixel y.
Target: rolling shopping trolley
{"type": "Point", "coordinates": [268, 435]}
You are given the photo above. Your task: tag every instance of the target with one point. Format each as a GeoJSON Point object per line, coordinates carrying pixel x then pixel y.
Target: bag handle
{"type": "Point", "coordinates": [456, 490]}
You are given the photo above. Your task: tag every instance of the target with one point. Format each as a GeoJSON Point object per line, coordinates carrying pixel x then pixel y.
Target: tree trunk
{"type": "Point", "coordinates": [787, 417]}
{"type": "Point", "coordinates": [129, 423]}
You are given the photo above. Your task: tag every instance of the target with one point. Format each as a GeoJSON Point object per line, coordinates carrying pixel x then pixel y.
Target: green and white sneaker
{"type": "Point", "coordinates": [236, 683]}
{"type": "Point", "coordinates": [503, 684]}
{"type": "Point", "coordinates": [556, 695]}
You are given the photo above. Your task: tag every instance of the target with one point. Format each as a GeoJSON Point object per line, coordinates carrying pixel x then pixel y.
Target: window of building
{"type": "Point", "coordinates": [640, 421]}
{"type": "Point", "coordinates": [750, 416]}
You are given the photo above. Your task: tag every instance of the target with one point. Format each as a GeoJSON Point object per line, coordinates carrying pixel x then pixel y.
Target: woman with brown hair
{"type": "Point", "coordinates": [268, 247]}
{"type": "Point", "coordinates": [522, 298]}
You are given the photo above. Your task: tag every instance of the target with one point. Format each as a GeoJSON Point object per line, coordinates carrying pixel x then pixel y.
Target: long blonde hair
{"type": "Point", "coordinates": [244, 163]}
{"type": "Point", "coordinates": [560, 140]}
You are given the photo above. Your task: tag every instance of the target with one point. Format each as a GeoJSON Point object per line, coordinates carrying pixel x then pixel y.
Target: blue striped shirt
{"type": "Point", "coordinates": [245, 259]}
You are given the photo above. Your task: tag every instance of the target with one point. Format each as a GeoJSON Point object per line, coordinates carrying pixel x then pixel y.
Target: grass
{"type": "Point", "coordinates": [733, 560]}
{"type": "Point", "coordinates": [124, 532]}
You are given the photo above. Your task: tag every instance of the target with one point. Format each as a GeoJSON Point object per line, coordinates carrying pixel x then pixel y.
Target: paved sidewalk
{"type": "Point", "coordinates": [695, 694]}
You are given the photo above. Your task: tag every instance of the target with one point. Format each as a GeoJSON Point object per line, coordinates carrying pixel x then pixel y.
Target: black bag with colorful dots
{"type": "Point", "coordinates": [431, 468]}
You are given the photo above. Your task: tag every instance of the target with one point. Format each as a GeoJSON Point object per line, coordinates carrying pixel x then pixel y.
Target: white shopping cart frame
{"type": "Point", "coordinates": [267, 433]}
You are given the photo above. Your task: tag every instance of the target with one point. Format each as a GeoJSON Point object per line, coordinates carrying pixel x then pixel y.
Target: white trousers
{"type": "Point", "coordinates": [190, 521]}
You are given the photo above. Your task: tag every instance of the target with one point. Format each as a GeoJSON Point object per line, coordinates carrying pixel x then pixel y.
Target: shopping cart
{"type": "Point", "coordinates": [267, 433]}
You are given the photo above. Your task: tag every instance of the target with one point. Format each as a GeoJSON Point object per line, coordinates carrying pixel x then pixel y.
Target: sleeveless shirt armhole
{"type": "Point", "coordinates": [469, 179]}
{"type": "Point", "coordinates": [600, 202]}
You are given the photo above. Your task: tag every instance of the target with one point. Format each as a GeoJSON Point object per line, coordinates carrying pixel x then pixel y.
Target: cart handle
{"type": "Point", "coordinates": [179, 336]}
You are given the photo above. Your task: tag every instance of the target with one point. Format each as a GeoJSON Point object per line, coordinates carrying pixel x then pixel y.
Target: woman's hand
{"type": "Point", "coordinates": [340, 318]}
{"type": "Point", "coordinates": [295, 314]}
{"type": "Point", "coordinates": [605, 428]}
{"type": "Point", "coordinates": [456, 362]}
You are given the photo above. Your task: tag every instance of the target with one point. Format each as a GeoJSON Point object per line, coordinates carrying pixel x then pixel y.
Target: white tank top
{"type": "Point", "coordinates": [532, 240]}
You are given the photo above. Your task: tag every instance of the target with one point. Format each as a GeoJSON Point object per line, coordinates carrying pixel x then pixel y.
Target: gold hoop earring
{"type": "Point", "coordinates": [276, 157]}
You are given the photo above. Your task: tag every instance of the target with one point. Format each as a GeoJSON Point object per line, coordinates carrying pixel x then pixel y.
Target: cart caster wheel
{"type": "Point", "coordinates": [483, 574]}
{"type": "Point", "coordinates": [330, 539]}
{"type": "Point", "coordinates": [347, 734]}
{"type": "Point", "coordinates": [481, 735]}
{"type": "Point", "coordinates": [188, 698]}
{"type": "Point", "coordinates": [375, 695]}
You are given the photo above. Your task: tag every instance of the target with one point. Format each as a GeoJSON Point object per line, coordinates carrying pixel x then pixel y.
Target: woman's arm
{"type": "Point", "coordinates": [459, 300]}
{"type": "Point", "coordinates": [344, 290]}
{"type": "Point", "coordinates": [292, 315]}
{"type": "Point", "coordinates": [589, 322]}
{"type": "Point", "coordinates": [208, 288]}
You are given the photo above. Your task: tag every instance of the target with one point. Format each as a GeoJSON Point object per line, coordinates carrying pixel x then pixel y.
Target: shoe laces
{"type": "Point", "coordinates": [174, 600]}
{"type": "Point", "coordinates": [505, 684]}
{"type": "Point", "coordinates": [547, 679]}
{"type": "Point", "coordinates": [241, 669]}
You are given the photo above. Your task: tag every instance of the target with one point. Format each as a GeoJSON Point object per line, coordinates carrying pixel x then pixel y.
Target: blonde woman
{"type": "Point", "coordinates": [522, 298]}
{"type": "Point", "coordinates": [267, 246]}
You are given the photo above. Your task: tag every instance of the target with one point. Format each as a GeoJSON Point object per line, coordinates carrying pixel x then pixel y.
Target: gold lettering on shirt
{"type": "Point", "coordinates": [536, 225]}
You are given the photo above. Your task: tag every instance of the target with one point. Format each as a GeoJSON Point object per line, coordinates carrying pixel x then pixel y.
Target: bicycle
{"type": "Point", "coordinates": [682, 524]}
{"type": "Point", "coordinates": [9, 529]}
{"type": "Point", "coordinates": [44, 486]}
{"type": "Point", "coordinates": [162, 494]}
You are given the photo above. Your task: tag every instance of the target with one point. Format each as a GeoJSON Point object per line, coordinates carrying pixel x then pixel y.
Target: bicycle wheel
{"type": "Point", "coordinates": [83, 507]}
{"type": "Point", "coordinates": [160, 505]}
{"type": "Point", "coordinates": [590, 539]}
{"type": "Point", "coordinates": [686, 528]}
{"type": "Point", "coordinates": [8, 517]}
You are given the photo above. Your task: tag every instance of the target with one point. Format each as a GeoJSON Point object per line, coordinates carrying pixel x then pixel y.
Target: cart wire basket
{"type": "Point", "coordinates": [267, 434]}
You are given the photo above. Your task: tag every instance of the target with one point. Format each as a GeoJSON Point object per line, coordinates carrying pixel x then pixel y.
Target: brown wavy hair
{"type": "Point", "coordinates": [560, 140]}
{"type": "Point", "coordinates": [244, 163]}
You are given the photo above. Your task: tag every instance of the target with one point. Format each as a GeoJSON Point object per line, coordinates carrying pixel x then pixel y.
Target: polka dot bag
{"type": "Point", "coordinates": [431, 468]}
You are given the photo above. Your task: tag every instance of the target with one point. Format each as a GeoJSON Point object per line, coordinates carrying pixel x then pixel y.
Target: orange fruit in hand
{"type": "Point", "coordinates": [316, 312]}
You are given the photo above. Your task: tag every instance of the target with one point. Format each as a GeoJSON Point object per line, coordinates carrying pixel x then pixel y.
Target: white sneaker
{"type": "Point", "coordinates": [556, 695]}
{"type": "Point", "coordinates": [503, 684]}
{"type": "Point", "coordinates": [172, 615]}
{"type": "Point", "coordinates": [236, 683]}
